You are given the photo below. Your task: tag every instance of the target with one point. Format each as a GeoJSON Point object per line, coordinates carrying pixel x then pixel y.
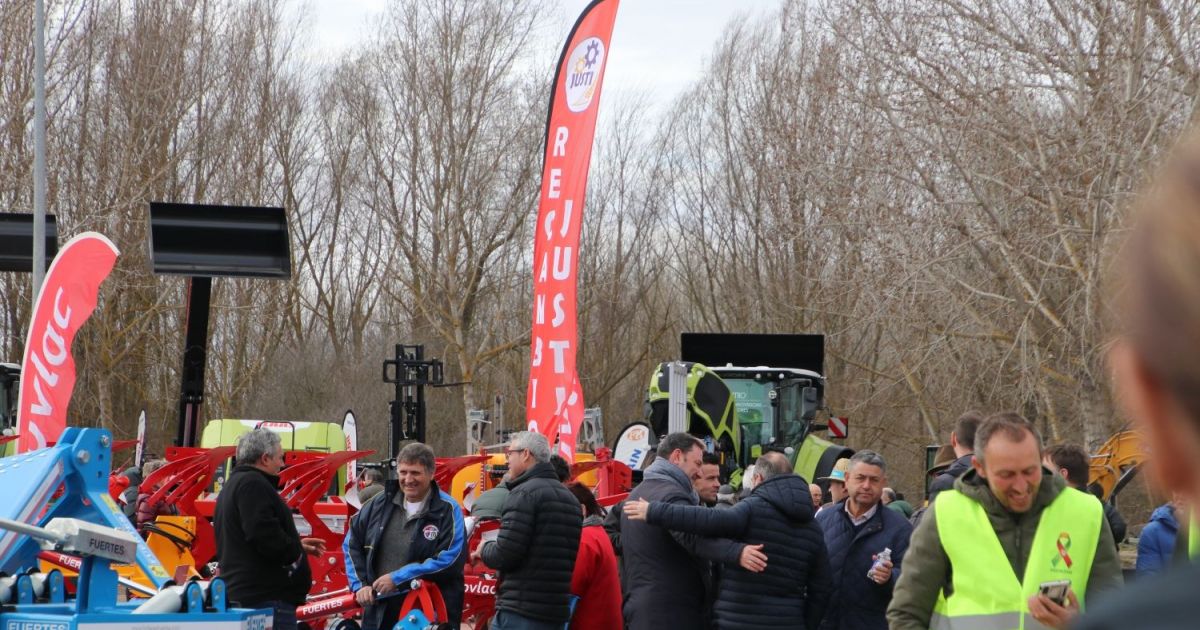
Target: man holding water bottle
{"type": "Point", "coordinates": [866, 544]}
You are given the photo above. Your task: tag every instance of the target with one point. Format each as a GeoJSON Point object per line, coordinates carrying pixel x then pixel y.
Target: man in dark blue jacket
{"type": "Point", "coordinates": [963, 441]}
{"type": "Point", "coordinates": [856, 531]}
{"type": "Point", "coordinates": [778, 514]}
{"type": "Point", "coordinates": [412, 530]}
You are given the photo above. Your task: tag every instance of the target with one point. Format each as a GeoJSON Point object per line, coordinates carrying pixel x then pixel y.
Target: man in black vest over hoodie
{"type": "Point", "coordinates": [262, 557]}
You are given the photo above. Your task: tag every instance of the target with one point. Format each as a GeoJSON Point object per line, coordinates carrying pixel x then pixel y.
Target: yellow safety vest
{"type": "Point", "coordinates": [1193, 537]}
{"type": "Point", "coordinates": [986, 594]}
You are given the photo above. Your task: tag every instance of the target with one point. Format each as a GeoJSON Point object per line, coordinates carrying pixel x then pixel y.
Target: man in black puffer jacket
{"type": "Point", "coordinates": [793, 590]}
{"type": "Point", "coordinates": [535, 549]}
{"type": "Point", "coordinates": [262, 557]}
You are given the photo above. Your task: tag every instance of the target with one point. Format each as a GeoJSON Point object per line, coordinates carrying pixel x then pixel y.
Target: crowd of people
{"type": "Point", "coordinates": [1010, 538]}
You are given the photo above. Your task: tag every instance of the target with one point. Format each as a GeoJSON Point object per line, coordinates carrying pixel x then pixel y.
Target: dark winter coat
{"type": "Point", "coordinates": [666, 573]}
{"type": "Point", "coordinates": [1156, 545]}
{"type": "Point", "coordinates": [945, 481]}
{"type": "Point", "coordinates": [436, 552]}
{"type": "Point", "coordinates": [902, 507]}
{"type": "Point", "coordinates": [258, 548]}
{"type": "Point", "coordinates": [1115, 523]}
{"type": "Point", "coordinates": [858, 603]}
{"type": "Point", "coordinates": [129, 496]}
{"type": "Point", "coordinates": [1161, 602]}
{"type": "Point", "coordinates": [793, 590]}
{"type": "Point", "coordinates": [535, 549]}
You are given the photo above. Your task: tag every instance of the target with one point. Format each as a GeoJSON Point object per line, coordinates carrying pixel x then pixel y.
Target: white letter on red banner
{"type": "Point", "coordinates": [568, 152]}
{"type": "Point", "coordinates": [65, 301]}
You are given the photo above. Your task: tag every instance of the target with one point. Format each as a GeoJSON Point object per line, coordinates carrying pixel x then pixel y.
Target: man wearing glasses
{"type": "Point", "coordinates": [535, 549]}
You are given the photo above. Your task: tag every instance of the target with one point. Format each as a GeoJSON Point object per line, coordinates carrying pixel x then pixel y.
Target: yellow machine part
{"type": "Point", "coordinates": [469, 477]}
{"type": "Point", "coordinates": [1119, 453]}
{"type": "Point", "coordinates": [589, 478]}
{"type": "Point", "coordinates": [127, 571]}
{"type": "Point", "coordinates": [169, 553]}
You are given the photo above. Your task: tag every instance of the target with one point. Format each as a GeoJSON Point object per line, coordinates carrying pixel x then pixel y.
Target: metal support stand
{"type": "Point", "coordinates": [410, 373]}
{"type": "Point", "coordinates": [195, 353]}
{"type": "Point", "coordinates": [677, 413]}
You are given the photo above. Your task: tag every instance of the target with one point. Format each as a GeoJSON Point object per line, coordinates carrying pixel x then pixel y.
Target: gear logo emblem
{"type": "Point", "coordinates": [583, 73]}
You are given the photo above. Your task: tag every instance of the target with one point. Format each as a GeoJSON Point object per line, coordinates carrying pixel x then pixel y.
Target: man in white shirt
{"type": "Point", "coordinates": [412, 530]}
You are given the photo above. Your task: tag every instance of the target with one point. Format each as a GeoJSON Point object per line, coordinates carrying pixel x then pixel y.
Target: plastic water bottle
{"type": "Point", "coordinates": [883, 556]}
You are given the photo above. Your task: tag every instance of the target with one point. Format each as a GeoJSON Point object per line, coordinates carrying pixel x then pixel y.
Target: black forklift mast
{"type": "Point", "coordinates": [409, 372]}
{"type": "Point", "coordinates": [203, 242]}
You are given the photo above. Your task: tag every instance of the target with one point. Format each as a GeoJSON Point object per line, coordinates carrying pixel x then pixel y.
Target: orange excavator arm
{"type": "Point", "coordinates": [1119, 458]}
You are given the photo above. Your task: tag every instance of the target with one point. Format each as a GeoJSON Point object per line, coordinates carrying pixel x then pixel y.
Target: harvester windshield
{"type": "Point", "coordinates": [770, 403]}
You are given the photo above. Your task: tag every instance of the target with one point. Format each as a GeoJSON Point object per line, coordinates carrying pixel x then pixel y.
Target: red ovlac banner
{"type": "Point", "coordinates": [67, 298]}
{"type": "Point", "coordinates": [554, 404]}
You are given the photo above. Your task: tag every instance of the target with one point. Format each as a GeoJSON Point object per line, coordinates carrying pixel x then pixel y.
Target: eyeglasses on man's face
{"type": "Point", "coordinates": [512, 451]}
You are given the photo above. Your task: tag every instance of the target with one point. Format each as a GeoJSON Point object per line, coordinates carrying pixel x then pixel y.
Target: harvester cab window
{"type": "Point", "coordinates": [773, 408]}
{"type": "Point", "coordinates": [755, 413]}
{"type": "Point", "coordinates": [791, 412]}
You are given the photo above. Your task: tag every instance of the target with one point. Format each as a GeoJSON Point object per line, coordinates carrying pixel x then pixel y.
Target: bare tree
{"type": "Point", "coordinates": [451, 136]}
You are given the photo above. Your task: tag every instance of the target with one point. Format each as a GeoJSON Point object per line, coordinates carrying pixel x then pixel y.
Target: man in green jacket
{"type": "Point", "coordinates": [982, 551]}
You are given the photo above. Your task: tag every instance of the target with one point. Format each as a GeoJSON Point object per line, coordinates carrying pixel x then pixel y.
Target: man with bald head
{"type": "Point", "coordinates": [794, 582]}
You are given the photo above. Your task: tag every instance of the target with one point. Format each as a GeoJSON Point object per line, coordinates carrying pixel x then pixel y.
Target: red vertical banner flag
{"type": "Point", "coordinates": [554, 404]}
{"type": "Point", "coordinates": [65, 301]}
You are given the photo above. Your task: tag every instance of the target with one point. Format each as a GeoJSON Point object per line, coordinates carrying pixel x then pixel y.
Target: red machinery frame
{"type": "Point", "coordinates": [304, 484]}
{"type": "Point", "coordinates": [186, 475]}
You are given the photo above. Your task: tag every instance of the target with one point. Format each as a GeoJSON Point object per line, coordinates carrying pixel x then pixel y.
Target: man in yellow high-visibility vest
{"type": "Point", "coordinates": [978, 558]}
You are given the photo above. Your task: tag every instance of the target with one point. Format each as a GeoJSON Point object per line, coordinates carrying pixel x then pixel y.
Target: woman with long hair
{"type": "Point", "coordinates": [595, 580]}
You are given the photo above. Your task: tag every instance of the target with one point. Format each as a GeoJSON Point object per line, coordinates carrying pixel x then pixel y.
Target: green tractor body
{"type": "Point", "coordinates": [321, 437]}
{"type": "Point", "coordinates": [776, 398]}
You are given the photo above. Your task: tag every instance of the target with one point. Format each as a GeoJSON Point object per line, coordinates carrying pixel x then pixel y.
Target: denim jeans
{"type": "Point", "coordinates": [508, 620]}
{"type": "Point", "coordinates": [285, 614]}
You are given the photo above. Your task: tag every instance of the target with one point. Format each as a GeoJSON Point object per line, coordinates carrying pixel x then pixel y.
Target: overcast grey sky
{"type": "Point", "coordinates": [658, 46]}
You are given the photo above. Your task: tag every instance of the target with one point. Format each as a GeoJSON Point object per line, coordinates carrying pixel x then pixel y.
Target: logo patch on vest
{"type": "Point", "coordinates": [431, 532]}
{"type": "Point", "coordinates": [1064, 545]}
